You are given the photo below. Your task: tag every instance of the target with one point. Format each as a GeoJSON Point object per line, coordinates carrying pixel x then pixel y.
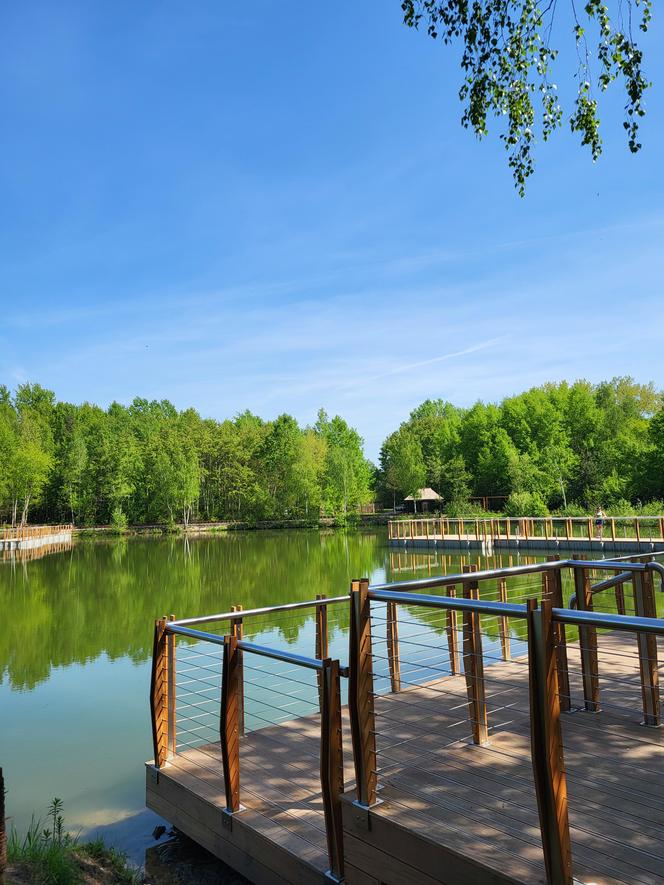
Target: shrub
{"type": "Point", "coordinates": [526, 504]}
{"type": "Point", "coordinates": [119, 520]}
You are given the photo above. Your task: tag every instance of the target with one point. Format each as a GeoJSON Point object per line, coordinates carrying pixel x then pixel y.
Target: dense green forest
{"type": "Point", "coordinates": [148, 463]}
{"type": "Point", "coordinates": [562, 446]}
{"type": "Point", "coordinates": [557, 446]}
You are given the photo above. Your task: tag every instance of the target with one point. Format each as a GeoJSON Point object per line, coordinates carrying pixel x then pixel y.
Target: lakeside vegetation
{"type": "Point", "coordinates": [148, 463]}
{"type": "Point", "coordinates": [569, 447]}
{"type": "Point", "coordinates": [49, 855]}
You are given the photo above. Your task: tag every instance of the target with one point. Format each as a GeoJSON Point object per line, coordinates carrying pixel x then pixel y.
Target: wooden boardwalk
{"type": "Point", "coordinates": [450, 811]}
{"type": "Point", "coordinates": [618, 535]}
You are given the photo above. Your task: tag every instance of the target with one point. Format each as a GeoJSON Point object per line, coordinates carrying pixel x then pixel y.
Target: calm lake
{"type": "Point", "coordinates": [76, 641]}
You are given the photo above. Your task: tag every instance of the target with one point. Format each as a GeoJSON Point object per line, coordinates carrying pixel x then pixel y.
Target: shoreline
{"type": "Point", "coordinates": [356, 521]}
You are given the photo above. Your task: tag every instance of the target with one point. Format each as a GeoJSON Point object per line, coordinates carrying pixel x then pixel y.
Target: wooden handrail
{"type": "Point", "coordinates": [332, 765]}
{"type": "Point", "coordinates": [229, 724]}
{"type": "Point", "coordinates": [546, 745]}
{"type": "Point", "coordinates": [473, 664]}
{"type": "Point", "coordinates": [361, 694]}
{"type": "Point", "coordinates": [644, 603]}
{"type": "Point", "coordinates": [587, 642]}
{"type": "Point", "coordinates": [159, 694]}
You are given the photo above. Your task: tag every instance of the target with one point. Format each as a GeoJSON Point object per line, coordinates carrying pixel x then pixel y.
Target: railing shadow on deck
{"type": "Point", "coordinates": [488, 671]}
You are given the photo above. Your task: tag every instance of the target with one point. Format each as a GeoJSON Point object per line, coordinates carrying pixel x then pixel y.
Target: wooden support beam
{"type": "Point", "coordinates": [620, 599]}
{"type": "Point", "coordinates": [361, 694]}
{"type": "Point", "coordinates": [332, 766]}
{"type": "Point", "coordinates": [159, 694]}
{"type": "Point", "coordinates": [587, 642]}
{"type": "Point", "coordinates": [547, 746]}
{"type": "Point", "coordinates": [229, 723]}
{"type": "Point", "coordinates": [237, 630]}
{"type": "Point", "coordinates": [473, 664]}
{"type": "Point", "coordinates": [637, 529]}
{"type": "Point", "coordinates": [170, 653]}
{"type": "Point", "coordinates": [393, 646]}
{"type": "Point", "coordinates": [504, 622]}
{"type": "Point", "coordinates": [453, 636]}
{"type": "Point", "coordinates": [644, 604]}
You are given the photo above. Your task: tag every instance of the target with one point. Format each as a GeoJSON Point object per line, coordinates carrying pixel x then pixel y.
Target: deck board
{"type": "Point", "coordinates": [476, 801]}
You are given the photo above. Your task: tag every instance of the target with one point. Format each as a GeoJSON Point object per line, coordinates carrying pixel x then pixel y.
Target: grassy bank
{"type": "Point", "coordinates": [48, 855]}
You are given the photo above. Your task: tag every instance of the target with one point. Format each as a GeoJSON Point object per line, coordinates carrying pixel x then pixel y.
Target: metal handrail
{"type": "Point", "coordinates": [253, 612]}
{"type": "Point", "coordinates": [488, 574]}
{"type": "Point", "coordinates": [264, 651]}
{"type": "Point", "coordinates": [515, 610]}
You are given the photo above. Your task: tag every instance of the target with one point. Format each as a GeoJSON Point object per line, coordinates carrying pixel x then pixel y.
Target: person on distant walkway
{"type": "Point", "coordinates": [600, 516]}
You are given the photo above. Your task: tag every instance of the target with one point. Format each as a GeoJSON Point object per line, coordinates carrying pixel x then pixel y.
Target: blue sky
{"type": "Point", "coordinates": [273, 206]}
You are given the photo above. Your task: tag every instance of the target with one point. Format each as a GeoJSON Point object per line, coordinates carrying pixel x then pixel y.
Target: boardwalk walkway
{"type": "Point", "coordinates": [450, 811]}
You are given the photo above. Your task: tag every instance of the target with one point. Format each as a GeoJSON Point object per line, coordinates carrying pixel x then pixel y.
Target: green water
{"type": "Point", "coordinates": [76, 641]}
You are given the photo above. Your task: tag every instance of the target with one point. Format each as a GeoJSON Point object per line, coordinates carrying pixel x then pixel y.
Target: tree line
{"type": "Point", "coordinates": [558, 446]}
{"type": "Point", "coordinates": [150, 463]}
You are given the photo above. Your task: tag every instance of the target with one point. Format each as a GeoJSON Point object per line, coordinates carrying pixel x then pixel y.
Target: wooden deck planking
{"type": "Point", "coordinates": [477, 801]}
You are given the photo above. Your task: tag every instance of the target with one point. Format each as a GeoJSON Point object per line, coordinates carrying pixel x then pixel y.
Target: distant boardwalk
{"type": "Point", "coordinates": [633, 534]}
{"type": "Point", "coordinates": [31, 541]}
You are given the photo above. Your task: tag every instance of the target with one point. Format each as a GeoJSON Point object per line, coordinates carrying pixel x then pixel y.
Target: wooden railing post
{"type": "Point", "coordinates": [229, 723]}
{"type": "Point", "coordinates": [170, 655]}
{"type": "Point", "coordinates": [504, 622]}
{"type": "Point", "coordinates": [473, 665]}
{"type": "Point", "coordinates": [587, 642]}
{"type": "Point", "coordinates": [237, 630]}
{"type": "Point", "coordinates": [644, 604]}
{"type": "Point", "coordinates": [393, 646]}
{"type": "Point", "coordinates": [159, 694]}
{"type": "Point", "coordinates": [555, 594]}
{"type": "Point", "coordinates": [332, 765]}
{"type": "Point", "coordinates": [547, 746]}
{"type": "Point", "coordinates": [322, 644]}
{"type": "Point", "coordinates": [361, 694]}
{"type": "Point", "coordinates": [637, 529]}
{"type": "Point", "coordinates": [453, 635]}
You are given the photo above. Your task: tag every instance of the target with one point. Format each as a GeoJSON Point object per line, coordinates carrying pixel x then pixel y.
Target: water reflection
{"type": "Point", "coordinates": [77, 637]}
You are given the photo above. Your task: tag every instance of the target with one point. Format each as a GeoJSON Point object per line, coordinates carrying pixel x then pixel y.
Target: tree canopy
{"type": "Point", "coordinates": [508, 58]}
{"type": "Point", "coordinates": [559, 444]}
{"type": "Point", "coordinates": [148, 463]}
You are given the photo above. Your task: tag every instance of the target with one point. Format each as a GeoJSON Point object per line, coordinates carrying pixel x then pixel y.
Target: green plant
{"type": "Point", "coordinates": [119, 520]}
{"type": "Point", "coordinates": [526, 504]}
{"type": "Point", "coordinates": [49, 850]}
